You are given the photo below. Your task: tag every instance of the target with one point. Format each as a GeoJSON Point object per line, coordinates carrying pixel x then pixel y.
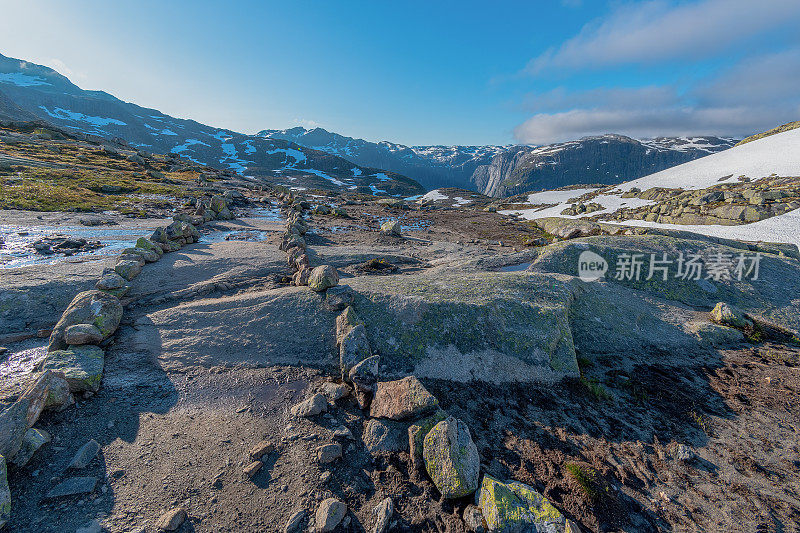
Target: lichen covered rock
{"type": "Point", "coordinates": [402, 399]}
{"type": "Point", "coordinates": [323, 277]}
{"type": "Point", "coordinates": [727, 315]}
{"type": "Point", "coordinates": [82, 366]}
{"type": "Point", "coordinates": [516, 507]}
{"type": "Point", "coordinates": [97, 308]}
{"type": "Point", "coordinates": [451, 458]}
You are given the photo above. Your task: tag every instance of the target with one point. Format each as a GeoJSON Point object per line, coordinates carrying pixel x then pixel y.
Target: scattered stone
{"type": "Point", "coordinates": [261, 449]}
{"type": "Point", "coordinates": [252, 469]}
{"type": "Point", "coordinates": [684, 453]}
{"type": "Point", "coordinates": [473, 519]}
{"type": "Point", "coordinates": [335, 391]}
{"type": "Point", "coordinates": [295, 522]}
{"type": "Point", "coordinates": [328, 453]}
{"type": "Point", "coordinates": [383, 515]}
{"type": "Point", "coordinates": [311, 407]}
{"type": "Point", "coordinates": [353, 349]}
{"type": "Point", "coordinates": [33, 440]}
{"type": "Point", "coordinates": [364, 377]}
{"type": "Point", "coordinates": [451, 458]}
{"type": "Point", "coordinates": [515, 506]}
{"type": "Point", "coordinates": [342, 432]}
{"type": "Point", "coordinates": [385, 436]}
{"type": "Point", "coordinates": [329, 514]}
{"type": "Point", "coordinates": [417, 433]}
{"type": "Point", "coordinates": [82, 334]}
{"type": "Point", "coordinates": [5, 494]}
{"type": "Point", "coordinates": [391, 227]}
{"type": "Point", "coordinates": [82, 366]}
{"type": "Point", "coordinates": [402, 399]}
{"type": "Point", "coordinates": [323, 277]}
{"type": "Point", "coordinates": [73, 486]}
{"type": "Point", "coordinates": [59, 396]}
{"type": "Point", "coordinates": [102, 310]}
{"type": "Point", "coordinates": [84, 455]}
{"type": "Point", "coordinates": [727, 315]}
{"type": "Point", "coordinates": [128, 269]}
{"type": "Point", "coordinates": [171, 520]}
{"type": "Point", "coordinates": [339, 297]}
{"type": "Point", "coordinates": [345, 322]}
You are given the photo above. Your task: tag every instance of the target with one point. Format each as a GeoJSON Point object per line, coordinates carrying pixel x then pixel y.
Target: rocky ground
{"type": "Point", "coordinates": [644, 415]}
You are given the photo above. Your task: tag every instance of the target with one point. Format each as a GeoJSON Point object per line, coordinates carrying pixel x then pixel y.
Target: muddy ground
{"type": "Point", "coordinates": [603, 449]}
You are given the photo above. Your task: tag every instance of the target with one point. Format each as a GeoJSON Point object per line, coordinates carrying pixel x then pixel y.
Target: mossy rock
{"type": "Point", "coordinates": [95, 307]}
{"type": "Point", "coordinates": [516, 507]}
{"type": "Point", "coordinates": [82, 366]}
{"type": "Point", "coordinates": [451, 458]}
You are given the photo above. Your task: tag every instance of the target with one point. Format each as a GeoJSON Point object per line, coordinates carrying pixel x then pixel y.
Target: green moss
{"type": "Point", "coordinates": [589, 481]}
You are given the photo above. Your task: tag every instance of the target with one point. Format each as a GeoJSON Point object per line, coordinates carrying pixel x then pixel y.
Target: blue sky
{"type": "Point", "coordinates": [431, 72]}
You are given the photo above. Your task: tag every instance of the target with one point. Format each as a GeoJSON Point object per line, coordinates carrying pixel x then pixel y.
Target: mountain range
{"type": "Point", "coordinates": [316, 158]}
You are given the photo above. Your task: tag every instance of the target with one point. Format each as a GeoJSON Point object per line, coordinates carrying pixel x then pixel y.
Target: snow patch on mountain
{"type": "Point", "coordinates": [22, 80]}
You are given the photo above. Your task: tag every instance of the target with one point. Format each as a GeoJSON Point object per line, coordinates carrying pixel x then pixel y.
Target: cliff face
{"type": "Point", "coordinates": [607, 159]}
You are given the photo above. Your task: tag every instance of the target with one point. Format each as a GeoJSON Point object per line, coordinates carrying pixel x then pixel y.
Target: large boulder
{"type": "Point", "coordinates": [97, 308]}
{"type": "Point", "coordinates": [402, 399]}
{"type": "Point", "coordinates": [518, 508]}
{"type": "Point", "coordinates": [451, 458]}
{"type": "Point", "coordinates": [323, 277]}
{"type": "Point", "coordinates": [82, 366]}
{"type": "Point", "coordinates": [33, 440]}
{"type": "Point", "coordinates": [726, 315]}
{"type": "Point", "coordinates": [128, 269]}
{"type": "Point", "coordinates": [463, 326]}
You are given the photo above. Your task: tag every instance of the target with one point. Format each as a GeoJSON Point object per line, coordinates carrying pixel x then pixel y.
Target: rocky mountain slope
{"type": "Point", "coordinates": [503, 171]}
{"type": "Point", "coordinates": [29, 91]}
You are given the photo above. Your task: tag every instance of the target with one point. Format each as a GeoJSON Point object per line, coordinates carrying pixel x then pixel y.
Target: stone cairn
{"type": "Point", "coordinates": [75, 356]}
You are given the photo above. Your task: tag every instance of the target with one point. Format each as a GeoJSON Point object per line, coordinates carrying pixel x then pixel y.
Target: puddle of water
{"type": "Point", "coordinates": [248, 235]}
{"type": "Point", "coordinates": [17, 250]}
{"type": "Point", "coordinates": [516, 268]}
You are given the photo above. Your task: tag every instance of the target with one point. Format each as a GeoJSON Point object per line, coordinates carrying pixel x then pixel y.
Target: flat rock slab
{"type": "Point", "coordinates": [288, 326]}
{"type": "Point", "coordinates": [82, 366]}
{"type": "Point", "coordinates": [72, 487]}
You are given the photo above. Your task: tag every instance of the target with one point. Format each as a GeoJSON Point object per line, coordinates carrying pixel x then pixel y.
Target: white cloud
{"type": "Point", "coordinates": [656, 30]}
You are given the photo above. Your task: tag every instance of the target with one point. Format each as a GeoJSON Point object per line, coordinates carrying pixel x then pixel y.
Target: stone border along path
{"type": "Point", "coordinates": [439, 445]}
{"type": "Point", "coordinates": [75, 360]}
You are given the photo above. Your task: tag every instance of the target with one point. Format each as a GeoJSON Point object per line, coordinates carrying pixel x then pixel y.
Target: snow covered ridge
{"type": "Point", "coordinates": [750, 192]}
{"type": "Point", "coordinates": [41, 92]}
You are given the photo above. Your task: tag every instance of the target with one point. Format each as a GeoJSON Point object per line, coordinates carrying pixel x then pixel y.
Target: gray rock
{"type": "Point", "coordinates": [364, 377]}
{"type": "Point", "coordinates": [353, 349]}
{"type": "Point", "coordinates": [391, 227]}
{"type": "Point", "coordinates": [684, 453]}
{"type": "Point", "coordinates": [72, 486]}
{"type": "Point", "coordinates": [114, 284]}
{"type": "Point", "coordinates": [33, 440]}
{"type": "Point", "coordinates": [328, 453]}
{"type": "Point", "coordinates": [339, 297]}
{"type": "Point", "coordinates": [335, 391]}
{"type": "Point", "coordinates": [82, 366]}
{"type": "Point", "coordinates": [473, 519]}
{"type": "Point", "coordinates": [97, 308]}
{"type": "Point", "coordinates": [727, 315]}
{"type": "Point", "coordinates": [385, 436]}
{"type": "Point", "coordinates": [84, 455]}
{"type": "Point", "coordinates": [311, 407]}
{"type": "Point", "coordinates": [383, 515]}
{"type": "Point", "coordinates": [329, 514]}
{"type": "Point", "coordinates": [171, 520]}
{"type": "Point", "coordinates": [5, 494]}
{"type": "Point", "coordinates": [451, 458]}
{"type": "Point", "coordinates": [323, 277]}
{"type": "Point", "coordinates": [128, 269]}
{"type": "Point", "coordinates": [83, 334]}
{"type": "Point", "coordinates": [295, 522]}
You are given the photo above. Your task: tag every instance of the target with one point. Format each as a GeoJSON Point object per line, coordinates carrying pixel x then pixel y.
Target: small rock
{"type": "Point", "coordinates": [311, 407]}
{"type": "Point", "coordinates": [335, 391]}
{"type": "Point", "coordinates": [73, 486]}
{"type": "Point", "coordinates": [261, 449]}
{"type": "Point", "coordinates": [171, 520]}
{"type": "Point", "coordinates": [451, 458]}
{"type": "Point", "coordinates": [339, 297]}
{"type": "Point", "coordinates": [391, 227]}
{"type": "Point", "coordinates": [727, 315]}
{"type": "Point", "coordinates": [364, 377]}
{"type": "Point", "coordinates": [383, 515]}
{"type": "Point", "coordinates": [252, 469]}
{"type": "Point", "coordinates": [323, 277]}
{"type": "Point", "coordinates": [33, 440]}
{"type": "Point", "coordinates": [473, 519]}
{"type": "Point", "coordinates": [82, 334]}
{"type": "Point", "coordinates": [324, 477]}
{"type": "Point", "coordinates": [684, 453]}
{"type": "Point", "coordinates": [295, 522]}
{"type": "Point", "coordinates": [385, 436]}
{"type": "Point", "coordinates": [342, 433]}
{"type": "Point", "coordinates": [84, 455]}
{"type": "Point", "coordinates": [329, 514]}
{"type": "Point", "coordinates": [402, 399]}
{"type": "Point", "coordinates": [353, 349]}
{"type": "Point", "coordinates": [328, 453]}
